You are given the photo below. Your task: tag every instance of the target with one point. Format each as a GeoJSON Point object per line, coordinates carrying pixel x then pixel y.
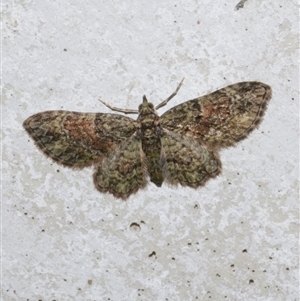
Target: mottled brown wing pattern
{"type": "Point", "coordinates": [221, 118]}
{"type": "Point", "coordinates": [186, 161]}
{"type": "Point", "coordinates": [78, 139]}
{"type": "Point", "coordinates": [180, 147]}
{"type": "Point", "coordinates": [124, 171]}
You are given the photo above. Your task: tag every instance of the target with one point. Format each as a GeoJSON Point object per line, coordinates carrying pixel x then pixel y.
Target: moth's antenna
{"type": "Point", "coordinates": [170, 97]}
{"type": "Point", "coordinates": [125, 111]}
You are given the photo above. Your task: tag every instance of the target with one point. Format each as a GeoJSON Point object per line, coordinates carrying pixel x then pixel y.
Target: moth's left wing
{"type": "Point", "coordinates": [78, 139]}
{"type": "Point", "coordinates": [223, 117]}
{"type": "Point", "coordinates": [124, 171]}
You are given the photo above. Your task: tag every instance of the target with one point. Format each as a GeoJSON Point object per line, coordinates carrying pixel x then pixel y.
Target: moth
{"type": "Point", "coordinates": [180, 147]}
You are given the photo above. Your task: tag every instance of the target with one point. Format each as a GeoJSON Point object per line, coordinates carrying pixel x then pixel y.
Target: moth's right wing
{"type": "Point", "coordinates": [186, 161]}
{"type": "Point", "coordinates": [78, 139]}
{"type": "Point", "coordinates": [222, 118]}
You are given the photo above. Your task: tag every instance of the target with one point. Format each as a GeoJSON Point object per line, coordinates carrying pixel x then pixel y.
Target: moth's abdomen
{"type": "Point", "coordinates": [152, 148]}
{"type": "Point", "coordinates": [151, 145]}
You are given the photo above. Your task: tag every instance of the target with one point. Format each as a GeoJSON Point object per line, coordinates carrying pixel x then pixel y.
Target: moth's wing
{"type": "Point", "coordinates": [78, 139]}
{"type": "Point", "coordinates": [124, 171]}
{"type": "Point", "coordinates": [223, 117]}
{"type": "Point", "coordinates": [186, 161]}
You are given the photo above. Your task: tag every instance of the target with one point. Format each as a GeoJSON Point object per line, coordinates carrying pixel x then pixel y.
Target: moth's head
{"type": "Point", "coordinates": [146, 107]}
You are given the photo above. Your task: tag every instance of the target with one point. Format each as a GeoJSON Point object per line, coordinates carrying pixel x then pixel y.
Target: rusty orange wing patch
{"type": "Point", "coordinates": [223, 117]}
{"type": "Point", "coordinates": [78, 139]}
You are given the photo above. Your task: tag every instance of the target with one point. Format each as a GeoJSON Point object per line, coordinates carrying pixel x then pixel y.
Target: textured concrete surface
{"type": "Point", "coordinates": [234, 239]}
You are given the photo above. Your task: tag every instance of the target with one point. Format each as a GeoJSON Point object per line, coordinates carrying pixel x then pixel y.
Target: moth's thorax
{"type": "Point", "coordinates": [148, 118]}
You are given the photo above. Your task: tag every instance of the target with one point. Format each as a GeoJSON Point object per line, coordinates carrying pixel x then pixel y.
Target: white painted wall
{"type": "Point", "coordinates": [63, 240]}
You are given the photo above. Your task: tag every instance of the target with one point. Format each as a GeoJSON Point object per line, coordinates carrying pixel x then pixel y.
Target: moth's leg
{"type": "Point", "coordinates": [125, 111]}
{"type": "Point", "coordinates": [170, 97]}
